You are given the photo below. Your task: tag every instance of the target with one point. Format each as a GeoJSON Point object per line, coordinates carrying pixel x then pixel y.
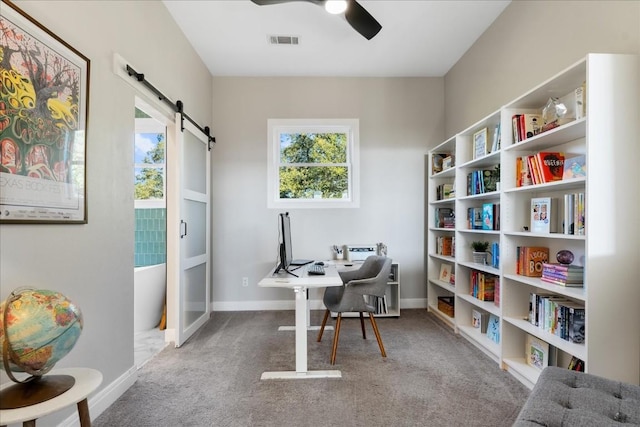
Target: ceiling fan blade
{"type": "Point", "coordinates": [356, 15]}
{"type": "Point", "coordinates": [361, 20]}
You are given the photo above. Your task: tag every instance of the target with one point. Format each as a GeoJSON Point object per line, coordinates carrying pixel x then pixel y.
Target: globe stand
{"type": "Point", "coordinates": [37, 390]}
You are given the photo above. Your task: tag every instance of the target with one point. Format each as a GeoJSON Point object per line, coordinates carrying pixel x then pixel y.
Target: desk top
{"type": "Point", "coordinates": [285, 280]}
{"type": "Point", "coordinates": [87, 381]}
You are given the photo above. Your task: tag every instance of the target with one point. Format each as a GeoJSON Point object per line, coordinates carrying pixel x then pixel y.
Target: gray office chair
{"type": "Point", "coordinates": [369, 280]}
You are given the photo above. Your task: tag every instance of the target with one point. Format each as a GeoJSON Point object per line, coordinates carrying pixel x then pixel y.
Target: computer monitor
{"type": "Point", "coordinates": [285, 242]}
{"type": "Point", "coordinates": [285, 251]}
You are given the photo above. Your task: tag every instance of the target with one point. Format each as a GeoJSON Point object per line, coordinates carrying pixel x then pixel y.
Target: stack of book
{"type": "Point", "coordinates": [482, 286]}
{"type": "Point", "coordinates": [539, 168]}
{"type": "Point", "coordinates": [563, 274]}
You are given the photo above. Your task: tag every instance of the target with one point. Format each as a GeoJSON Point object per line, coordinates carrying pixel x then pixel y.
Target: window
{"type": "Point", "coordinates": [313, 163]}
{"type": "Point", "coordinates": [149, 160]}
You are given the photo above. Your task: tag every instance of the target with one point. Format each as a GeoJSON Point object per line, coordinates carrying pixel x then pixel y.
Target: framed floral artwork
{"type": "Point", "coordinates": [44, 98]}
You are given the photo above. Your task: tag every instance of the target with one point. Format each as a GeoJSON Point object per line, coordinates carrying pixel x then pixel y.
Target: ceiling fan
{"type": "Point", "coordinates": [356, 15]}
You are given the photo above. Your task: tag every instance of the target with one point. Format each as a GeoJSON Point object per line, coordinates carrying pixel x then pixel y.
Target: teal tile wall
{"type": "Point", "coordinates": [151, 237]}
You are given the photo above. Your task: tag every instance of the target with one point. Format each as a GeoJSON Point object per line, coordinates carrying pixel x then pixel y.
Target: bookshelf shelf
{"type": "Point", "coordinates": [444, 285]}
{"type": "Point", "coordinates": [607, 135]}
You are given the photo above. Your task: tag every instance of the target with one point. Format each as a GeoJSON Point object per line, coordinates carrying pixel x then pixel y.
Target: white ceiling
{"type": "Point", "coordinates": [418, 38]}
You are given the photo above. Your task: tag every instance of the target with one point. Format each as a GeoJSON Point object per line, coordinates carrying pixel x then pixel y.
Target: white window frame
{"type": "Point", "coordinates": [275, 127]}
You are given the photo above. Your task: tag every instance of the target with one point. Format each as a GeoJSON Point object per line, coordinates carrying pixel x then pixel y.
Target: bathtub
{"type": "Point", "coordinates": [149, 292]}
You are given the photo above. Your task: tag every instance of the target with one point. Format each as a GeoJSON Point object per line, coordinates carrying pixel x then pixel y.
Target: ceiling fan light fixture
{"type": "Point", "coordinates": [335, 7]}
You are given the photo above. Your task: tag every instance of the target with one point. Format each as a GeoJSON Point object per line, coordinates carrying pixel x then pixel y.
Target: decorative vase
{"type": "Point", "coordinates": [480, 257]}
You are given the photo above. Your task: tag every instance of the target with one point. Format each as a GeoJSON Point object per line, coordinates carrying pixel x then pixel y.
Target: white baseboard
{"type": "Point", "coordinates": [100, 401]}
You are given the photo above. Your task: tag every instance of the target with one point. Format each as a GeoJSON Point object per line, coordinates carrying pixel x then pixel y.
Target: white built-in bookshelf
{"type": "Point", "coordinates": [608, 135]}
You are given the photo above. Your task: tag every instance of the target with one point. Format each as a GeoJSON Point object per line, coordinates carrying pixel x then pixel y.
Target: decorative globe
{"type": "Point", "coordinates": [39, 327]}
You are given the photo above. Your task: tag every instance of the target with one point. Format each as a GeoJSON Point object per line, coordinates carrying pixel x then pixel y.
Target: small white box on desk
{"type": "Point", "coordinates": [359, 252]}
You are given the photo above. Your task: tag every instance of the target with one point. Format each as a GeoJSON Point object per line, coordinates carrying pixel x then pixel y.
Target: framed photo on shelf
{"type": "Point", "coordinates": [44, 126]}
{"type": "Point", "coordinates": [536, 352]}
{"type": "Point", "coordinates": [480, 148]}
{"type": "Point", "coordinates": [445, 272]}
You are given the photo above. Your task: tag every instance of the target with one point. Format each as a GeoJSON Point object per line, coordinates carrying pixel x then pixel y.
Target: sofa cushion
{"type": "Point", "coordinates": [562, 397]}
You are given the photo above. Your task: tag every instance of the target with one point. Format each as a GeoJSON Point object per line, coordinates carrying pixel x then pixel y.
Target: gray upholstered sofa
{"type": "Point", "coordinates": [562, 397]}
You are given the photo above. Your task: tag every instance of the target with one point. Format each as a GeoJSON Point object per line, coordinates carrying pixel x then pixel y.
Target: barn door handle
{"type": "Point", "coordinates": [183, 226]}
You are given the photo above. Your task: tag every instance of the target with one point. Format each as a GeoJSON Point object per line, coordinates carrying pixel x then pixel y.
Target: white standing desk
{"type": "Point", "coordinates": [300, 285]}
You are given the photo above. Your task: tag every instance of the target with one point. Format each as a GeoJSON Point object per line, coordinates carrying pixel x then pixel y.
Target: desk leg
{"type": "Point", "coordinates": [301, 330]}
{"type": "Point", "coordinates": [83, 413]}
{"type": "Point", "coordinates": [309, 326]}
{"type": "Point", "coordinates": [30, 423]}
{"type": "Point", "coordinates": [301, 346]}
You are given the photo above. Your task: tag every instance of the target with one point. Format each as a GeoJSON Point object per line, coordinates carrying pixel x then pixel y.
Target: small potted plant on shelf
{"type": "Point", "coordinates": [479, 251]}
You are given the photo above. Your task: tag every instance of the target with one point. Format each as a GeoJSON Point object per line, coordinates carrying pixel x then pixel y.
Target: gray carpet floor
{"type": "Point", "coordinates": [431, 377]}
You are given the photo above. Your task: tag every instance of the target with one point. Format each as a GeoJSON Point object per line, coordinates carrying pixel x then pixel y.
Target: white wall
{"type": "Point", "coordinates": [530, 42]}
{"type": "Point", "coordinates": [93, 264]}
{"type": "Point", "coordinates": [399, 118]}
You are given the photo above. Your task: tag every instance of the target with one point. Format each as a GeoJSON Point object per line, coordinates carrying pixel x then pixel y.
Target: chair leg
{"type": "Point", "coordinates": [364, 334]}
{"type": "Point", "coordinates": [336, 334]}
{"type": "Point", "coordinates": [377, 332]}
{"type": "Point", "coordinates": [324, 322]}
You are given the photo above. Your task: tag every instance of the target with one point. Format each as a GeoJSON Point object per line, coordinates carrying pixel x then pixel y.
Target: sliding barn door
{"type": "Point", "coordinates": [193, 290]}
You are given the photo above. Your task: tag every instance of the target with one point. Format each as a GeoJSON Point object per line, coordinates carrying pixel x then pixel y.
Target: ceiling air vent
{"type": "Point", "coordinates": [283, 40]}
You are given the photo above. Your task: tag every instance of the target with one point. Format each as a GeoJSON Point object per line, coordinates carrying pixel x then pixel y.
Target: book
{"type": "Point", "coordinates": [532, 260]}
{"type": "Point", "coordinates": [495, 255]}
{"type": "Point", "coordinates": [579, 212]}
{"type": "Point", "coordinates": [445, 273]}
{"type": "Point", "coordinates": [525, 172]}
{"type": "Point", "coordinates": [444, 246]}
{"type": "Point", "coordinates": [569, 268]}
{"type": "Point", "coordinates": [480, 320]}
{"type": "Point", "coordinates": [474, 218]}
{"type": "Point", "coordinates": [576, 364]}
{"type": "Point", "coordinates": [568, 216]}
{"type": "Point", "coordinates": [515, 126]}
{"type": "Point", "coordinates": [490, 178]}
{"type": "Point", "coordinates": [495, 145]}
{"type": "Point", "coordinates": [496, 292]}
{"type": "Point", "coordinates": [550, 165]}
{"type": "Point", "coordinates": [487, 216]}
{"type": "Point", "coordinates": [444, 218]}
{"type": "Point", "coordinates": [575, 167]}
{"type": "Point", "coordinates": [533, 170]}
{"type": "Point", "coordinates": [576, 329]}
{"type": "Point", "coordinates": [493, 328]}
{"type": "Point", "coordinates": [542, 215]}
{"type": "Point", "coordinates": [536, 352]}
{"type": "Point", "coordinates": [531, 125]}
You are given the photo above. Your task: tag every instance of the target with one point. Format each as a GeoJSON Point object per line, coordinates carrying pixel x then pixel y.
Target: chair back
{"type": "Point", "coordinates": [378, 268]}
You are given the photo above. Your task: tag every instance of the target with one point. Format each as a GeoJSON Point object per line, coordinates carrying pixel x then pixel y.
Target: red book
{"type": "Point", "coordinates": [550, 165]}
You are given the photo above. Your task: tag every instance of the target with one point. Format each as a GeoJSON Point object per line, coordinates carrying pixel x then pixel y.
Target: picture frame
{"type": "Point", "coordinates": [445, 272]}
{"type": "Point", "coordinates": [536, 352]}
{"type": "Point", "coordinates": [480, 148]}
{"type": "Point", "coordinates": [44, 129]}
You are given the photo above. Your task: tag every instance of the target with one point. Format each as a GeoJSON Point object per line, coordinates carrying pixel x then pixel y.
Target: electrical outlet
{"type": "Point", "coordinates": [245, 281]}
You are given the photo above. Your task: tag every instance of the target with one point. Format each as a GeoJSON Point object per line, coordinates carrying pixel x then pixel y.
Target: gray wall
{"type": "Point", "coordinates": [530, 42]}
{"type": "Point", "coordinates": [399, 117]}
{"type": "Point", "coordinates": [93, 264]}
